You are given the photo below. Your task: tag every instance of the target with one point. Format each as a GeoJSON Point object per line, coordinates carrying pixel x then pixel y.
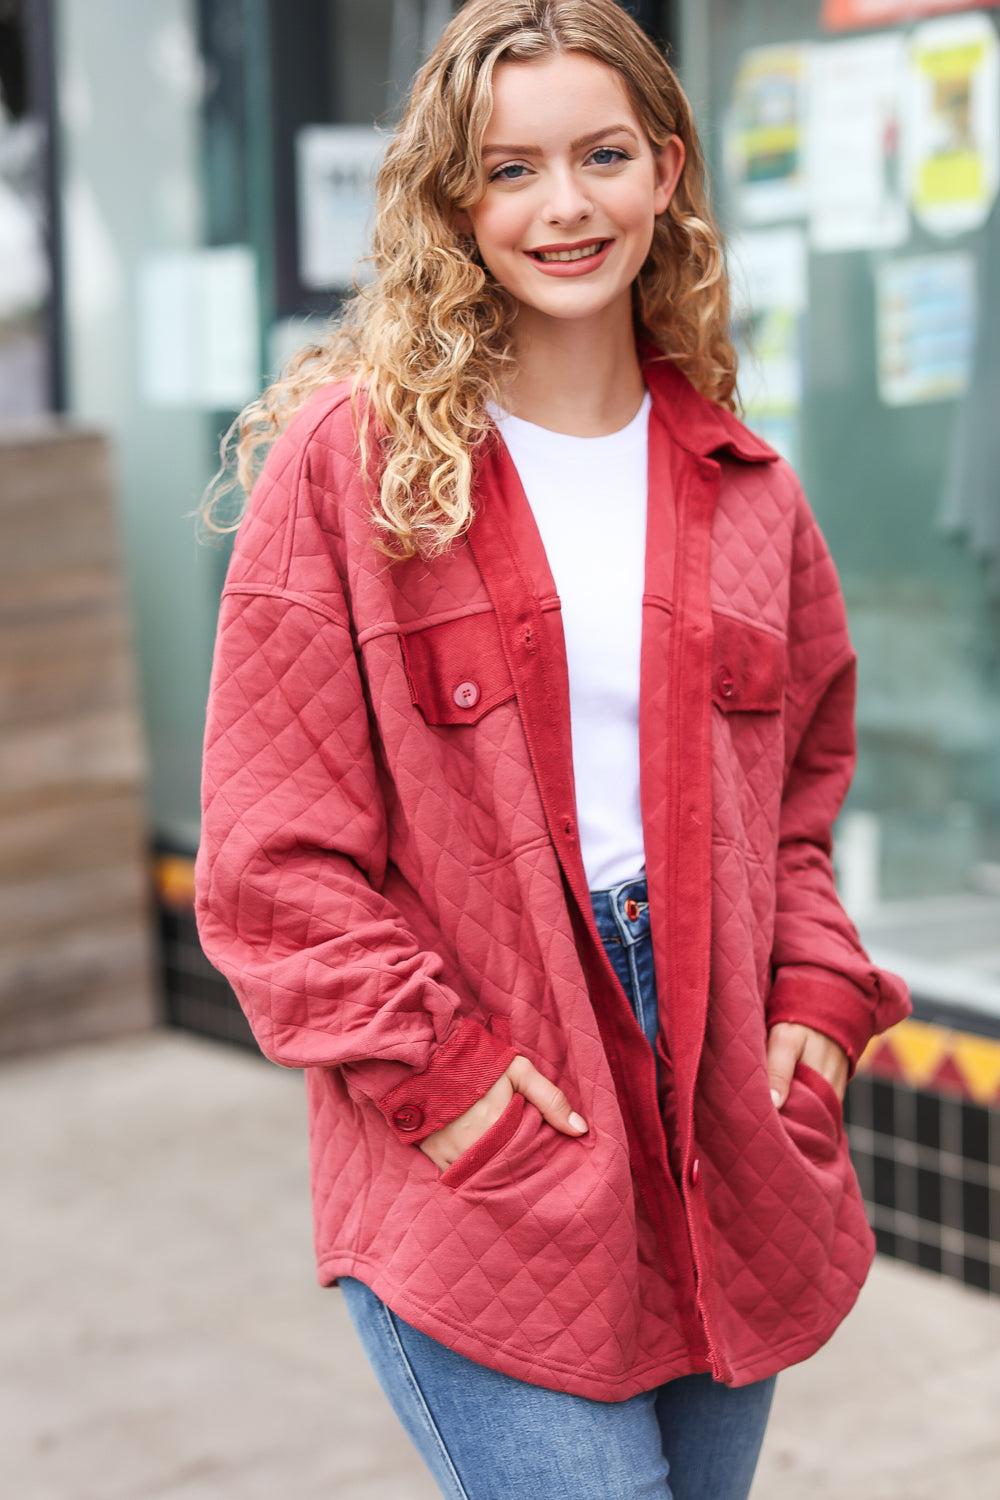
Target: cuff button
{"type": "Point", "coordinates": [409, 1117]}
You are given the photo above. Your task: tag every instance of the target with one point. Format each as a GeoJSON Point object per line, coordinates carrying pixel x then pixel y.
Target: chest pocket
{"type": "Point", "coordinates": [456, 670]}
{"type": "Point", "coordinates": [748, 667]}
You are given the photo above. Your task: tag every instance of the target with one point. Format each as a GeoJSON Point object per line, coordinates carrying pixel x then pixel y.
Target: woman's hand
{"type": "Point", "coordinates": [788, 1044]}
{"type": "Point", "coordinates": [445, 1146]}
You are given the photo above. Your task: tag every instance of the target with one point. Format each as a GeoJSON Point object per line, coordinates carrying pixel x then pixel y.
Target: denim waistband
{"type": "Point", "coordinates": [622, 918]}
{"type": "Point", "coordinates": [622, 912]}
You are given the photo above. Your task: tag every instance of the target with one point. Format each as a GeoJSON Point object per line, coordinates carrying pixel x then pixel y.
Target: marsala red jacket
{"type": "Point", "coordinates": [391, 879]}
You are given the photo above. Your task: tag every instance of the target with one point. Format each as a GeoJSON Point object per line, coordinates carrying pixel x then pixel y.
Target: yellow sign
{"type": "Point", "coordinates": [953, 123]}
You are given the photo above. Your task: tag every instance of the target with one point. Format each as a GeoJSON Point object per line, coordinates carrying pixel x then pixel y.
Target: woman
{"type": "Point", "coordinates": [531, 712]}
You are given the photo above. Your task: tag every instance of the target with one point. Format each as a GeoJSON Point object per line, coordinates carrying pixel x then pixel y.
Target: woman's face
{"type": "Point", "coordinates": [573, 189]}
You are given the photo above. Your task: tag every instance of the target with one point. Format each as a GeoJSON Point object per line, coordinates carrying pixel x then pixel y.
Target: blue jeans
{"type": "Point", "coordinates": [487, 1436]}
{"type": "Point", "coordinates": [622, 917]}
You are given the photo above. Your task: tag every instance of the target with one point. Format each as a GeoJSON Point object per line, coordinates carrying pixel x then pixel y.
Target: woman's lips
{"type": "Point", "coordinates": [582, 257]}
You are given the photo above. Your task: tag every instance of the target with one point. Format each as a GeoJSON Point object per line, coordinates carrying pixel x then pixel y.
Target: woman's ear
{"type": "Point", "coordinates": [669, 166]}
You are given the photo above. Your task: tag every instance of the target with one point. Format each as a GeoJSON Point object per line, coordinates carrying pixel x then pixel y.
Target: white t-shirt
{"type": "Point", "coordinates": [588, 496]}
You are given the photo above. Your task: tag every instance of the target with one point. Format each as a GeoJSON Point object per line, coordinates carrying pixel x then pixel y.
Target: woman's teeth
{"type": "Point", "coordinates": [579, 254]}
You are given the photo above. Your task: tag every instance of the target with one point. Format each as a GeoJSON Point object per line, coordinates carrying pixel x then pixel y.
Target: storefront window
{"type": "Point", "coordinates": [339, 73]}
{"type": "Point", "coordinates": [856, 170]}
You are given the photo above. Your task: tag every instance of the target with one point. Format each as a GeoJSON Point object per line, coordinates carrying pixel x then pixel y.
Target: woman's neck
{"type": "Point", "coordinates": [575, 379]}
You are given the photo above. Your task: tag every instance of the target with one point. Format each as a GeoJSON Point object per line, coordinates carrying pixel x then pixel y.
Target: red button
{"type": "Point", "coordinates": [409, 1117]}
{"type": "Point", "coordinates": [695, 1172]}
{"type": "Point", "coordinates": [466, 695]}
{"type": "Point", "coordinates": [725, 682]}
{"type": "Point", "coordinates": [632, 910]}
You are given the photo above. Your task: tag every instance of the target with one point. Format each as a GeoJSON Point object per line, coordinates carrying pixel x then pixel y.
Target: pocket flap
{"type": "Point", "coordinates": [456, 670]}
{"type": "Point", "coordinates": [748, 667]}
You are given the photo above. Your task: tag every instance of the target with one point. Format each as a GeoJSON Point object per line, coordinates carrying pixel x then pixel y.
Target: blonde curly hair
{"type": "Point", "coordinates": [428, 339]}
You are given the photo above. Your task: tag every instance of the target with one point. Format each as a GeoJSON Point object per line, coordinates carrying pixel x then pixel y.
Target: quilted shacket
{"type": "Point", "coordinates": [391, 879]}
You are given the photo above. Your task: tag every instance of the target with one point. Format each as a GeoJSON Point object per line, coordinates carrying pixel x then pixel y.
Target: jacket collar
{"type": "Point", "coordinates": [694, 422]}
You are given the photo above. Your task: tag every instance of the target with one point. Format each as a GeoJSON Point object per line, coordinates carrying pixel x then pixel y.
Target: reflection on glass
{"type": "Point", "coordinates": [881, 375]}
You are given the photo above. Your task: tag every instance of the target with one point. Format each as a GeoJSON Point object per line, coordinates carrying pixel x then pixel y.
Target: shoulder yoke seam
{"type": "Point", "coordinates": [288, 596]}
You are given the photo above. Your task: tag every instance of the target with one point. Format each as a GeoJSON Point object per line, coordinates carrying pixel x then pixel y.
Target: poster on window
{"type": "Point", "coordinates": [953, 123]}
{"type": "Point", "coordinates": [852, 15]}
{"type": "Point", "coordinates": [765, 136]}
{"type": "Point", "coordinates": [335, 172]}
{"type": "Point", "coordinates": [854, 127]}
{"type": "Point", "coordinates": [926, 327]}
{"type": "Point", "coordinates": [197, 323]}
{"type": "Point", "coordinates": [768, 270]}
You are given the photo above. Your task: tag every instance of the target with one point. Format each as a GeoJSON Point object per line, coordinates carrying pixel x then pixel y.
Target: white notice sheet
{"type": "Point", "coordinates": [856, 173]}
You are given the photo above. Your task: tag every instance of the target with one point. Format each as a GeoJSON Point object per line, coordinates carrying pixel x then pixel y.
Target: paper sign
{"type": "Point", "coordinates": [199, 342]}
{"type": "Point", "coordinates": [768, 271]}
{"type": "Point", "coordinates": [953, 123]}
{"type": "Point", "coordinates": [852, 15]}
{"type": "Point", "coordinates": [336, 166]}
{"type": "Point", "coordinates": [857, 190]}
{"type": "Point", "coordinates": [765, 136]}
{"type": "Point", "coordinates": [926, 321]}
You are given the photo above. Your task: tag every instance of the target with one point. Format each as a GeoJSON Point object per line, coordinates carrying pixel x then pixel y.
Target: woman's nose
{"type": "Point", "coordinates": [568, 201]}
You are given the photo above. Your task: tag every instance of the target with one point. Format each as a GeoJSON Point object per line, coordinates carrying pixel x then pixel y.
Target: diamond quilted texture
{"type": "Point", "coordinates": [372, 883]}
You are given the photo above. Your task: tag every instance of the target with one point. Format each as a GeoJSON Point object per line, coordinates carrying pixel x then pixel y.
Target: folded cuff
{"type": "Point", "coordinates": [461, 1071]}
{"type": "Point", "coordinates": [826, 1002]}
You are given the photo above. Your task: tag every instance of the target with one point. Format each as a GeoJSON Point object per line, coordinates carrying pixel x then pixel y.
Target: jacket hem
{"type": "Point", "coordinates": [554, 1375]}
{"type": "Point", "coordinates": [479, 1347]}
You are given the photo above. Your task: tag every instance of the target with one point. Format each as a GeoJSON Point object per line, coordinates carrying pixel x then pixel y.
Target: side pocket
{"type": "Point", "coordinates": [457, 670]}
{"type": "Point", "coordinates": [813, 1115]}
{"type": "Point", "coordinates": [493, 1140]}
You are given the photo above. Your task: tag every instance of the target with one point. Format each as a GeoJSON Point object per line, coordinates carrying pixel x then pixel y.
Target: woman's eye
{"type": "Point", "coordinates": [606, 156]}
{"type": "Point", "coordinates": [510, 172]}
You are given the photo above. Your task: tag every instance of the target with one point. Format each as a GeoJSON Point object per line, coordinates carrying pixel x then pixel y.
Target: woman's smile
{"type": "Point", "coordinates": [571, 260]}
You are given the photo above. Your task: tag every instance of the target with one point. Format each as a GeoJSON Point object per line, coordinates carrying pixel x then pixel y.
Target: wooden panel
{"type": "Point", "coordinates": [55, 507]}
{"type": "Point", "coordinates": [69, 662]}
{"type": "Point", "coordinates": [54, 904]}
{"type": "Point", "coordinates": [75, 930]}
{"type": "Point", "coordinates": [92, 751]}
{"type": "Point", "coordinates": [71, 835]}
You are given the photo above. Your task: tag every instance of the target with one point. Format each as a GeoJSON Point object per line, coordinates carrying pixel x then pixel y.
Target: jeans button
{"type": "Point", "coordinates": [632, 910]}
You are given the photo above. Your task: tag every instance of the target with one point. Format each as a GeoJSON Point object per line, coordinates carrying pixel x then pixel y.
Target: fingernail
{"type": "Point", "coordinates": [775, 1098]}
{"type": "Point", "coordinates": [578, 1124]}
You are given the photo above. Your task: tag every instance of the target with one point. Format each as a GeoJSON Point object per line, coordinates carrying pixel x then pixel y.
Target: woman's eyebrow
{"type": "Point", "coordinates": [577, 145]}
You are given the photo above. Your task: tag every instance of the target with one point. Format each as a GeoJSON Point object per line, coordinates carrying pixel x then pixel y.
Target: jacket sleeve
{"type": "Point", "coordinates": [822, 976]}
{"type": "Point", "coordinates": [293, 854]}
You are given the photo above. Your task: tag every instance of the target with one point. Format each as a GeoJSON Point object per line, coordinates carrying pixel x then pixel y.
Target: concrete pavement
{"type": "Point", "coordinates": [164, 1338]}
